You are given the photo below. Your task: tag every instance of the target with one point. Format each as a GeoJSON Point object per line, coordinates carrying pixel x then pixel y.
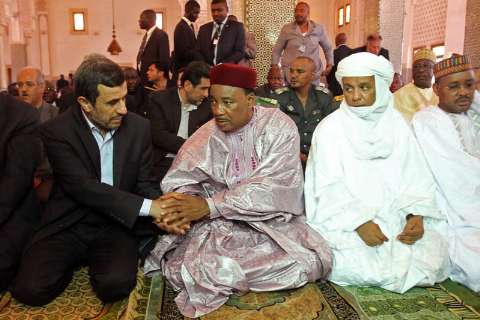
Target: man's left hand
{"type": "Point", "coordinates": [183, 207]}
{"type": "Point", "coordinates": [413, 230]}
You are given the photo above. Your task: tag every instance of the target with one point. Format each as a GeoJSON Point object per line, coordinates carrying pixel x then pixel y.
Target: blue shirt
{"type": "Point", "coordinates": [105, 146]}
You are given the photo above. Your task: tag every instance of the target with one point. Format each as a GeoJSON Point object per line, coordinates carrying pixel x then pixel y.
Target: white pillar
{"type": "Point", "coordinates": [407, 56]}
{"type": "Point", "coordinates": [44, 43]}
{"type": "Point", "coordinates": [391, 29]}
{"type": "Point", "coordinates": [455, 26]}
{"type": "Point", "coordinates": [3, 64]}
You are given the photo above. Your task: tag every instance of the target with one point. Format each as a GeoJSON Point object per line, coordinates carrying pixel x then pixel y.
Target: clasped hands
{"type": "Point", "coordinates": [372, 235]}
{"type": "Point", "coordinates": [174, 212]}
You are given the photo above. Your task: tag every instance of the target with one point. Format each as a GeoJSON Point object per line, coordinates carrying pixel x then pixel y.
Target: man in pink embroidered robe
{"type": "Point", "coordinates": [235, 191]}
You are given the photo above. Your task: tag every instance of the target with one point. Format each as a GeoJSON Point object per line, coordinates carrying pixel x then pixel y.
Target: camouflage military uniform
{"type": "Point", "coordinates": [319, 105]}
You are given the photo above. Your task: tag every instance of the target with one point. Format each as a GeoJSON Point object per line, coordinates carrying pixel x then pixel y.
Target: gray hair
{"type": "Point", "coordinates": [40, 78]}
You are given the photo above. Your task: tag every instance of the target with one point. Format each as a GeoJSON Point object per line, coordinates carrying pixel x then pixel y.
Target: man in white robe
{"type": "Point", "coordinates": [238, 183]}
{"type": "Point", "coordinates": [368, 190]}
{"type": "Point", "coordinates": [449, 135]}
{"type": "Point", "coordinates": [418, 94]}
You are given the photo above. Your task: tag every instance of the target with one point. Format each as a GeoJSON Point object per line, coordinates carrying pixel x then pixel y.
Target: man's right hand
{"type": "Point", "coordinates": [158, 214]}
{"type": "Point", "coordinates": [371, 234]}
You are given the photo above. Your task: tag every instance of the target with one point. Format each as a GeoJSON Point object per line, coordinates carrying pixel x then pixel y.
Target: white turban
{"type": "Point", "coordinates": [367, 64]}
{"type": "Point", "coordinates": [369, 128]}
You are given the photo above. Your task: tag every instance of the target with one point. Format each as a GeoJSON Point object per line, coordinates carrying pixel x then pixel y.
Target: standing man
{"type": "Point", "coordinates": [154, 46]}
{"type": "Point", "coordinates": [342, 51]}
{"type": "Point", "coordinates": [101, 158]}
{"type": "Point", "coordinates": [221, 40]}
{"type": "Point", "coordinates": [250, 46]}
{"type": "Point", "coordinates": [185, 39]}
{"type": "Point", "coordinates": [238, 182]}
{"type": "Point", "coordinates": [303, 37]}
{"type": "Point", "coordinates": [62, 83]}
{"type": "Point", "coordinates": [449, 134]}
{"type": "Point", "coordinates": [374, 46]}
{"type": "Point", "coordinates": [304, 102]}
{"type": "Point", "coordinates": [31, 87]}
{"type": "Point", "coordinates": [418, 94]}
{"type": "Point", "coordinates": [175, 114]}
{"type": "Point", "coordinates": [20, 153]}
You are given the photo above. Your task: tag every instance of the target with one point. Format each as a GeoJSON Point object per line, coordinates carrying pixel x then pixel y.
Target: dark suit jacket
{"type": "Point", "coordinates": [339, 54]}
{"type": "Point", "coordinates": [184, 46]}
{"type": "Point", "coordinates": [20, 154]}
{"type": "Point", "coordinates": [383, 51]}
{"type": "Point", "coordinates": [231, 44]}
{"type": "Point", "coordinates": [165, 114]}
{"type": "Point", "coordinates": [75, 159]}
{"type": "Point", "coordinates": [156, 49]}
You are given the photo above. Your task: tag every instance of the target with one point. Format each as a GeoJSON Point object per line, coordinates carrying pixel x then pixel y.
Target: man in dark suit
{"type": "Point", "coordinates": [342, 51]}
{"type": "Point", "coordinates": [154, 46]}
{"type": "Point", "coordinates": [374, 45]}
{"type": "Point", "coordinates": [221, 41]}
{"type": "Point", "coordinates": [101, 158]}
{"type": "Point", "coordinates": [176, 114]}
{"type": "Point", "coordinates": [20, 154]}
{"type": "Point", "coordinates": [184, 38]}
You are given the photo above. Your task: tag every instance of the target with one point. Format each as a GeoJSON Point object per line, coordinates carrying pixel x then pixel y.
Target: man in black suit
{"type": "Point", "coordinates": [154, 46]}
{"type": "Point", "coordinates": [101, 158]}
{"type": "Point", "coordinates": [184, 38]}
{"type": "Point", "coordinates": [342, 51]}
{"type": "Point", "coordinates": [20, 154]}
{"type": "Point", "coordinates": [176, 114]}
{"type": "Point", "coordinates": [221, 41]}
{"type": "Point", "coordinates": [374, 45]}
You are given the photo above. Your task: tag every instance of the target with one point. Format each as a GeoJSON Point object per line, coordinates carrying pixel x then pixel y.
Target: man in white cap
{"type": "Point", "coordinates": [368, 190]}
{"type": "Point", "coordinates": [449, 134]}
{"type": "Point", "coordinates": [418, 94]}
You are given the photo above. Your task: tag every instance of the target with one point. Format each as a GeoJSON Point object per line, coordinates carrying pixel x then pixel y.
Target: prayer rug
{"type": "Point", "coordinates": [78, 302]}
{"type": "Point", "coordinates": [416, 304]}
{"type": "Point", "coordinates": [324, 300]}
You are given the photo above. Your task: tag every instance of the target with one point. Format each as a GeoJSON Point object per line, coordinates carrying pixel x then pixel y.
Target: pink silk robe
{"type": "Point", "coordinates": [255, 238]}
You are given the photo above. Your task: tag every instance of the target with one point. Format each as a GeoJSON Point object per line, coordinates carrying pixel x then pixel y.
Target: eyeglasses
{"type": "Point", "coordinates": [29, 84]}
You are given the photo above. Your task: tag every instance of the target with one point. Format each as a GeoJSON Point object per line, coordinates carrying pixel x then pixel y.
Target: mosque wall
{"type": "Point", "coordinates": [67, 50]}
{"type": "Point", "coordinates": [391, 28]}
{"type": "Point", "coordinates": [472, 31]}
{"type": "Point", "coordinates": [37, 32]}
{"type": "Point", "coordinates": [265, 19]}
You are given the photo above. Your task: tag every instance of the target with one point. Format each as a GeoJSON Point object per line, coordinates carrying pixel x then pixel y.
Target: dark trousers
{"type": "Point", "coordinates": [14, 235]}
{"type": "Point", "coordinates": [109, 251]}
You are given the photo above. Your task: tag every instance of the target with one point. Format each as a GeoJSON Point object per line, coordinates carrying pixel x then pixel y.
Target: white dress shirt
{"type": "Point", "coordinates": [105, 146]}
{"type": "Point", "coordinates": [183, 127]}
{"type": "Point", "coordinates": [215, 26]}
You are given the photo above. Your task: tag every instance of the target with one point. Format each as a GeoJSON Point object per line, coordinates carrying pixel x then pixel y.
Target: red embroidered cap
{"type": "Point", "coordinates": [233, 75]}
